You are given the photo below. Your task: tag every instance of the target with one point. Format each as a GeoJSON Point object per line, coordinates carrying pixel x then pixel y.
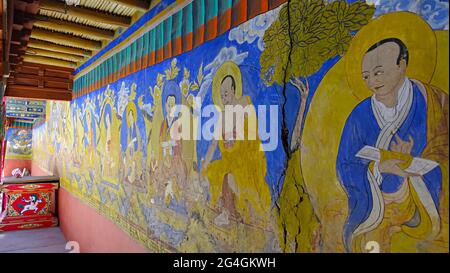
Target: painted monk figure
{"type": "Point", "coordinates": [404, 116]}
{"type": "Point", "coordinates": [238, 178]}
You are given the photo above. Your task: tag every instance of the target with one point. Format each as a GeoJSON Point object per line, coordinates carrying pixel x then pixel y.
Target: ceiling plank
{"type": "Point", "coordinates": [65, 39]}
{"type": "Point", "coordinates": [57, 55]}
{"type": "Point", "coordinates": [140, 5]}
{"type": "Point", "coordinates": [63, 26]}
{"type": "Point", "coordinates": [48, 61]}
{"type": "Point", "coordinates": [33, 43]}
{"type": "Point", "coordinates": [87, 14]}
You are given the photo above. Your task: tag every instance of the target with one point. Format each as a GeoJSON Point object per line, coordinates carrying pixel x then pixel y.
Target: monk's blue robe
{"type": "Point", "coordinates": [362, 129]}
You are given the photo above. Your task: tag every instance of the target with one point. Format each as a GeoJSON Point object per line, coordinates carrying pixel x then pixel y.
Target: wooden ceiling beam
{"type": "Point", "coordinates": [28, 6]}
{"type": "Point", "coordinates": [15, 60]}
{"type": "Point", "coordinates": [40, 81]}
{"type": "Point", "coordinates": [31, 92]}
{"type": "Point", "coordinates": [45, 71]}
{"type": "Point", "coordinates": [33, 43]}
{"type": "Point", "coordinates": [65, 39]}
{"type": "Point", "coordinates": [21, 35]}
{"type": "Point", "coordinates": [18, 49]}
{"type": "Point", "coordinates": [7, 33]}
{"type": "Point", "coordinates": [60, 25]}
{"type": "Point", "coordinates": [19, 43]}
{"type": "Point", "coordinates": [23, 18]}
{"type": "Point", "coordinates": [16, 52]}
{"type": "Point", "coordinates": [48, 61]}
{"type": "Point", "coordinates": [87, 14]}
{"type": "Point", "coordinates": [56, 55]}
{"type": "Point", "coordinates": [37, 77]}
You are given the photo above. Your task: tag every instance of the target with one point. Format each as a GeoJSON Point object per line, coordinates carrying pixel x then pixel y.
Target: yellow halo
{"type": "Point", "coordinates": [228, 68]}
{"type": "Point", "coordinates": [130, 108]}
{"type": "Point", "coordinates": [410, 28]}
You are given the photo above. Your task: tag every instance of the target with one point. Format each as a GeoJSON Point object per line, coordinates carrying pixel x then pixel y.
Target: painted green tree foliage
{"type": "Point", "coordinates": [317, 30]}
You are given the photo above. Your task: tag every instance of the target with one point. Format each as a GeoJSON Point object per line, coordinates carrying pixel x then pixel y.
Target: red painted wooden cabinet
{"type": "Point", "coordinates": [28, 202]}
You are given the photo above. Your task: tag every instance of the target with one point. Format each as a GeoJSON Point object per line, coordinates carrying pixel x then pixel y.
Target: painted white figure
{"type": "Point", "coordinates": [32, 204]}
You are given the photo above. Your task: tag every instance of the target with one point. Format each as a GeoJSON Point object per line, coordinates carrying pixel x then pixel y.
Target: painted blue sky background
{"type": "Point", "coordinates": [246, 50]}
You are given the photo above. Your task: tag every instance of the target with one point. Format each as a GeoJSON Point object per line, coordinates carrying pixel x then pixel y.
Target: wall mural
{"type": "Point", "coordinates": [20, 142]}
{"type": "Point", "coordinates": [354, 162]}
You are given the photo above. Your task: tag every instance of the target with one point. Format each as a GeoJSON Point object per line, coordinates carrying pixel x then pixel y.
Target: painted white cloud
{"type": "Point", "coordinates": [122, 102]}
{"type": "Point", "coordinates": [225, 54]}
{"type": "Point", "coordinates": [254, 29]}
{"type": "Point", "coordinates": [148, 109]}
{"type": "Point", "coordinates": [435, 12]}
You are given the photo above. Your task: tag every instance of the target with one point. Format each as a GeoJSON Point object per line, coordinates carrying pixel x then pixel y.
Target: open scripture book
{"type": "Point", "coordinates": [418, 166]}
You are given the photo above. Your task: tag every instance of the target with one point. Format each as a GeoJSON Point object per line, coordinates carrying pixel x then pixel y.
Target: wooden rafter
{"type": "Point", "coordinates": [87, 14]}
{"type": "Point", "coordinates": [33, 43]}
{"type": "Point", "coordinates": [65, 39]}
{"type": "Point", "coordinates": [57, 55]}
{"type": "Point", "coordinates": [140, 5]}
{"type": "Point", "coordinates": [48, 61]}
{"type": "Point", "coordinates": [44, 48]}
{"type": "Point", "coordinates": [64, 26]}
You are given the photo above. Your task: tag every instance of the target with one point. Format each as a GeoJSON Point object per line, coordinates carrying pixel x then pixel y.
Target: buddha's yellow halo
{"type": "Point", "coordinates": [228, 68]}
{"type": "Point", "coordinates": [411, 29]}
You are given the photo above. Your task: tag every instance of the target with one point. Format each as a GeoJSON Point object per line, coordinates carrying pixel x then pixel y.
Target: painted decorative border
{"type": "Point", "coordinates": [169, 29]}
{"type": "Point", "coordinates": [21, 125]}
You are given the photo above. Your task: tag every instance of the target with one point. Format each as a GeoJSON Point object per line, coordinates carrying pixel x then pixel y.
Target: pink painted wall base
{"type": "Point", "coordinates": [37, 171]}
{"type": "Point", "coordinates": [93, 232]}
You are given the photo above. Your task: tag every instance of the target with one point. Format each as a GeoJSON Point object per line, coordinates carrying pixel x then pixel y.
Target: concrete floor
{"type": "Point", "coordinates": [46, 240]}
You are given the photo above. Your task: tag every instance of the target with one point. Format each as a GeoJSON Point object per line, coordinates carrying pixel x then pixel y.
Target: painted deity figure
{"type": "Point", "coordinates": [168, 145]}
{"type": "Point", "coordinates": [153, 150]}
{"type": "Point", "coordinates": [90, 141]}
{"type": "Point", "coordinates": [108, 134]}
{"type": "Point", "coordinates": [237, 180]}
{"type": "Point", "coordinates": [108, 159]}
{"type": "Point", "coordinates": [53, 126]}
{"type": "Point", "coordinates": [79, 148]}
{"type": "Point", "coordinates": [404, 119]}
{"type": "Point", "coordinates": [131, 162]}
{"type": "Point", "coordinates": [172, 168]}
{"type": "Point", "coordinates": [66, 137]}
{"type": "Point", "coordinates": [132, 145]}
